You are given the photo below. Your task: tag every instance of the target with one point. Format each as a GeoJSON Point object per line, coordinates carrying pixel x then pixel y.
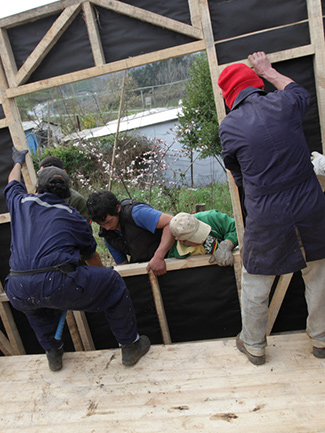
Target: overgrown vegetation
{"type": "Point", "coordinates": [198, 128]}
{"type": "Point", "coordinates": [138, 173]}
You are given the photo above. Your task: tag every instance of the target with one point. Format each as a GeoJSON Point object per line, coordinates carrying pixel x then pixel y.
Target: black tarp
{"type": "Point", "coordinates": [200, 304]}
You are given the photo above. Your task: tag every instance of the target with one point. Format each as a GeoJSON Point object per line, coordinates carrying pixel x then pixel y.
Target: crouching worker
{"type": "Point", "coordinates": [47, 239]}
{"type": "Point", "coordinates": [208, 232]}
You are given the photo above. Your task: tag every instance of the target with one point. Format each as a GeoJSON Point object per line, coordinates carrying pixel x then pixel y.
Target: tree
{"type": "Point", "coordinates": [198, 124]}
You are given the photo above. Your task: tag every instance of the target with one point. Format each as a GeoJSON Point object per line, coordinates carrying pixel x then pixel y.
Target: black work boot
{"type": "Point", "coordinates": [256, 360]}
{"type": "Point", "coordinates": [131, 353]}
{"type": "Point", "coordinates": [319, 352]}
{"type": "Point", "coordinates": [54, 357]}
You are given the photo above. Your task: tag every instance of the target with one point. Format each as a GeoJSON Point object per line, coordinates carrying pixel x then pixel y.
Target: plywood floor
{"type": "Point", "coordinates": [194, 387]}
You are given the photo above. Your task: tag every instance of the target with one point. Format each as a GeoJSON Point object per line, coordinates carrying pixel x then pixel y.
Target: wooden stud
{"type": "Point", "coordinates": [316, 30]}
{"type": "Point", "coordinates": [93, 33]}
{"type": "Point", "coordinates": [84, 331]}
{"type": "Point", "coordinates": [17, 133]}
{"type": "Point", "coordinates": [160, 308]}
{"type": "Point", "coordinates": [194, 7]}
{"type": "Point", "coordinates": [277, 299]}
{"type": "Point", "coordinates": [5, 346]}
{"type": "Point", "coordinates": [8, 59]}
{"type": "Point", "coordinates": [74, 332]}
{"type": "Point", "coordinates": [11, 329]}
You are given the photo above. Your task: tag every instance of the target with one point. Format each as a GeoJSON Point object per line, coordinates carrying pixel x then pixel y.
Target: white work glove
{"type": "Point", "coordinates": [318, 161]}
{"type": "Point", "coordinates": [223, 254]}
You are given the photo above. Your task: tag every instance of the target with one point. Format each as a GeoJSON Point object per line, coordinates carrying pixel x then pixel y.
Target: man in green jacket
{"type": "Point", "coordinates": [209, 232]}
{"type": "Point", "coordinates": [75, 200]}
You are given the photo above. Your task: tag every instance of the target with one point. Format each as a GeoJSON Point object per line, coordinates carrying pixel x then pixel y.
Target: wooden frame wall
{"type": "Point", "coordinates": [13, 84]}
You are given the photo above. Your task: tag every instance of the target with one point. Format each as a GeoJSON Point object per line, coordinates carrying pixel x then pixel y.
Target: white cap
{"type": "Point", "coordinates": [186, 227]}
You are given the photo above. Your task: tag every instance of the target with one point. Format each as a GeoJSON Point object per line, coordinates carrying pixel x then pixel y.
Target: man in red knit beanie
{"type": "Point", "coordinates": [236, 78]}
{"type": "Point", "coordinates": [264, 147]}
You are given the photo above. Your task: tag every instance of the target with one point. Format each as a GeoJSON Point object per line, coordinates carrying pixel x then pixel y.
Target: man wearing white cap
{"type": "Point", "coordinates": [209, 232]}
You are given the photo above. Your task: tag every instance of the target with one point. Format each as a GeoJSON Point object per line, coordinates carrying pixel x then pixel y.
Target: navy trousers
{"type": "Point", "coordinates": [42, 297]}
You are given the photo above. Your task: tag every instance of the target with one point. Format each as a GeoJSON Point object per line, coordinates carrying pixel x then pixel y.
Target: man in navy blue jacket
{"type": "Point", "coordinates": [48, 237]}
{"type": "Point", "coordinates": [265, 149]}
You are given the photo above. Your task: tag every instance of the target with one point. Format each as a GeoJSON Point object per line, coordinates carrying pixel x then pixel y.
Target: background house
{"type": "Point", "coordinates": [160, 124]}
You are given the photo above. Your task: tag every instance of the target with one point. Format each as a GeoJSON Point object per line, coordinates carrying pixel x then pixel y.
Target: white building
{"type": "Point", "coordinates": [159, 124]}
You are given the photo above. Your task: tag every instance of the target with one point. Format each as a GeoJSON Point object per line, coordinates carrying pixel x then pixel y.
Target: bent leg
{"type": "Point", "coordinates": [94, 289]}
{"type": "Point", "coordinates": [314, 278]}
{"type": "Point", "coordinates": [254, 311]}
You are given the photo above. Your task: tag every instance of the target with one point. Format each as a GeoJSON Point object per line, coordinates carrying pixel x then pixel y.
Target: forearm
{"type": "Point", "coordinates": [264, 69]}
{"type": "Point", "coordinates": [278, 80]}
{"type": "Point", "coordinates": [15, 173]}
{"type": "Point", "coordinates": [95, 260]}
{"type": "Point", "coordinates": [167, 240]}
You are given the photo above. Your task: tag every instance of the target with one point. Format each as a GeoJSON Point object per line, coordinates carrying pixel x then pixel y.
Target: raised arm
{"type": "Point", "coordinates": [264, 69]}
{"type": "Point", "coordinates": [19, 159]}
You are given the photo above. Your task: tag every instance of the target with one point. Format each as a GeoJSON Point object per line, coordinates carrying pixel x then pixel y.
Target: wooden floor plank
{"type": "Point", "coordinates": [192, 387]}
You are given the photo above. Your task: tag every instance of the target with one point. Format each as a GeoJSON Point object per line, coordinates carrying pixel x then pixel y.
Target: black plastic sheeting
{"type": "Point", "coordinates": [176, 10]}
{"type": "Point", "coordinates": [128, 37]}
{"type": "Point", "coordinates": [200, 304]}
{"type": "Point", "coordinates": [71, 53]}
{"type": "Point", "coordinates": [232, 18]}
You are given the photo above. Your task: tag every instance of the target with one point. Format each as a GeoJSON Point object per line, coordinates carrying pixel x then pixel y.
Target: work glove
{"type": "Point", "coordinates": [318, 161]}
{"type": "Point", "coordinates": [223, 254]}
{"type": "Point", "coordinates": [18, 156]}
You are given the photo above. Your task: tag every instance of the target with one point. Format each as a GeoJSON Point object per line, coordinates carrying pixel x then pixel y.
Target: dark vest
{"type": "Point", "coordinates": [135, 241]}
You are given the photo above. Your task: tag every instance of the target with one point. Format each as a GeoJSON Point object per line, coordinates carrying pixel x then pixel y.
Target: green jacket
{"type": "Point", "coordinates": [222, 227]}
{"type": "Point", "coordinates": [77, 201]}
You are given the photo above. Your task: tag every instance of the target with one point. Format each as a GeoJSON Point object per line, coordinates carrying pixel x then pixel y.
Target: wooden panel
{"type": "Point", "coordinates": [190, 387]}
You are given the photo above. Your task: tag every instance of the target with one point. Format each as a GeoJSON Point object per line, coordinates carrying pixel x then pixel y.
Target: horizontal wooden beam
{"type": "Point", "coordinates": [3, 123]}
{"type": "Point", "coordinates": [280, 56]}
{"type": "Point", "coordinates": [134, 269]}
{"type": "Point", "coordinates": [5, 218]}
{"type": "Point", "coordinates": [97, 71]}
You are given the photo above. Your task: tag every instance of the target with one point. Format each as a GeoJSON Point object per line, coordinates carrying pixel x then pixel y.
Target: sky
{"type": "Point", "coordinates": [11, 7]}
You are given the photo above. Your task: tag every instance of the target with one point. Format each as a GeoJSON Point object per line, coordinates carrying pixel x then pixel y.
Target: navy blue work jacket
{"type": "Point", "coordinates": [45, 231]}
{"type": "Point", "coordinates": [265, 149]}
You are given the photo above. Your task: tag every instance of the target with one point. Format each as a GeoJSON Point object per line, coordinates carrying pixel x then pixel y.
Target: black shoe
{"type": "Point", "coordinates": [54, 357]}
{"type": "Point", "coordinates": [256, 360]}
{"type": "Point", "coordinates": [131, 353]}
{"type": "Point", "coordinates": [319, 352]}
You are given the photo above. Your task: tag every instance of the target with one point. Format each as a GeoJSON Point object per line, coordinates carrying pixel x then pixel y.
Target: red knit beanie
{"type": "Point", "coordinates": [235, 78]}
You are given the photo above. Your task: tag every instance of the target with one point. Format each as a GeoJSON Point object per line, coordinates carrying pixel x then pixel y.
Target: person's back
{"type": "Point", "coordinates": [47, 231]}
{"type": "Point", "coordinates": [265, 149]}
{"type": "Point", "coordinates": [48, 238]}
{"type": "Point", "coordinates": [270, 126]}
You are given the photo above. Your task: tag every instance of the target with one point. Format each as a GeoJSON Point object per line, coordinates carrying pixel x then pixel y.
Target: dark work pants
{"type": "Point", "coordinates": [89, 288]}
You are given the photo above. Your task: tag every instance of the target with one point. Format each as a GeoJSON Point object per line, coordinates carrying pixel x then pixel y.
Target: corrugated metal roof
{"type": "Point", "coordinates": [128, 123]}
